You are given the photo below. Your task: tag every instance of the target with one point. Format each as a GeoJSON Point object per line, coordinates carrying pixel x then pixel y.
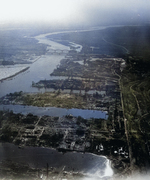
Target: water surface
{"type": "Point", "coordinates": [37, 157]}
{"type": "Point", "coordinates": [53, 111]}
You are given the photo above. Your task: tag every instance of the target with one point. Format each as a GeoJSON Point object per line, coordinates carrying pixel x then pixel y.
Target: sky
{"type": "Point", "coordinates": [82, 12]}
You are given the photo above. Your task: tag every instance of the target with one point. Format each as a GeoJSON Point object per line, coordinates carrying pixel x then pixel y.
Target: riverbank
{"type": "Point", "coordinates": [70, 133]}
{"type": "Point", "coordinates": [54, 111]}
{"type": "Point", "coordinates": [46, 163]}
{"type": "Point", "coordinates": [11, 71]}
{"type": "Point", "coordinates": [83, 73]}
{"type": "Point", "coordinates": [66, 134]}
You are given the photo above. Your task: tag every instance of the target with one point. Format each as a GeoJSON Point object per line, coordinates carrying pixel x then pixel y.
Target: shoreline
{"type": "Point", "coordinates": [11, 76]}
{"type": "Point", "coordinates": [48, 161]}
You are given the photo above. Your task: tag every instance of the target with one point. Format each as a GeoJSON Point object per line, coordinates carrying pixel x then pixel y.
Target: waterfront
{"type": "Point", "coordinates": [38, 70]}
{"type": "Point", "coordinates": [84, 163]}
{"type": "Point", "coordinates": [102, 69]}
{"type": "Point", "coordinates": [42, 67]}
{"type": "Point", "coordinates": [73, 138]}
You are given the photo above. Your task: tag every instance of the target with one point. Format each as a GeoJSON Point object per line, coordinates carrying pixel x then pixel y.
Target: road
{"type": "Point", "coordinates": [122, 47]}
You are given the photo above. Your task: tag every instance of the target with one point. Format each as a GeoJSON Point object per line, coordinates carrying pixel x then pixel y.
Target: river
{"type": "Point", "coordinates": [38, 157]}
{"type": "Point", "coordinates": [40, 70]}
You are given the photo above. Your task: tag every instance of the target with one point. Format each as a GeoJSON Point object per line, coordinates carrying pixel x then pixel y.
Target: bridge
{"type": "Point", "coordinates": [58, 51]}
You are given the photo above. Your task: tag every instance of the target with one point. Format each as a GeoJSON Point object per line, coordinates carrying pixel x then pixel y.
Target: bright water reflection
{"type": "Point", "coordinates": [36, 157]}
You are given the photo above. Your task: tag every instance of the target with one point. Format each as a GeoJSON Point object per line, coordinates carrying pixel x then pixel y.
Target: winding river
{"type": "Point", "coordinates": [38, 157]}
{"type": "Point", "coordinates": [42, 68]}
{"type": "Point", "coordinates": [39, 70]}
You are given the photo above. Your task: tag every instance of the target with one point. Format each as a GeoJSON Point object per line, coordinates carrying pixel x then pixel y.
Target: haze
{"type": "Point", "coordinates": [79, 12]}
